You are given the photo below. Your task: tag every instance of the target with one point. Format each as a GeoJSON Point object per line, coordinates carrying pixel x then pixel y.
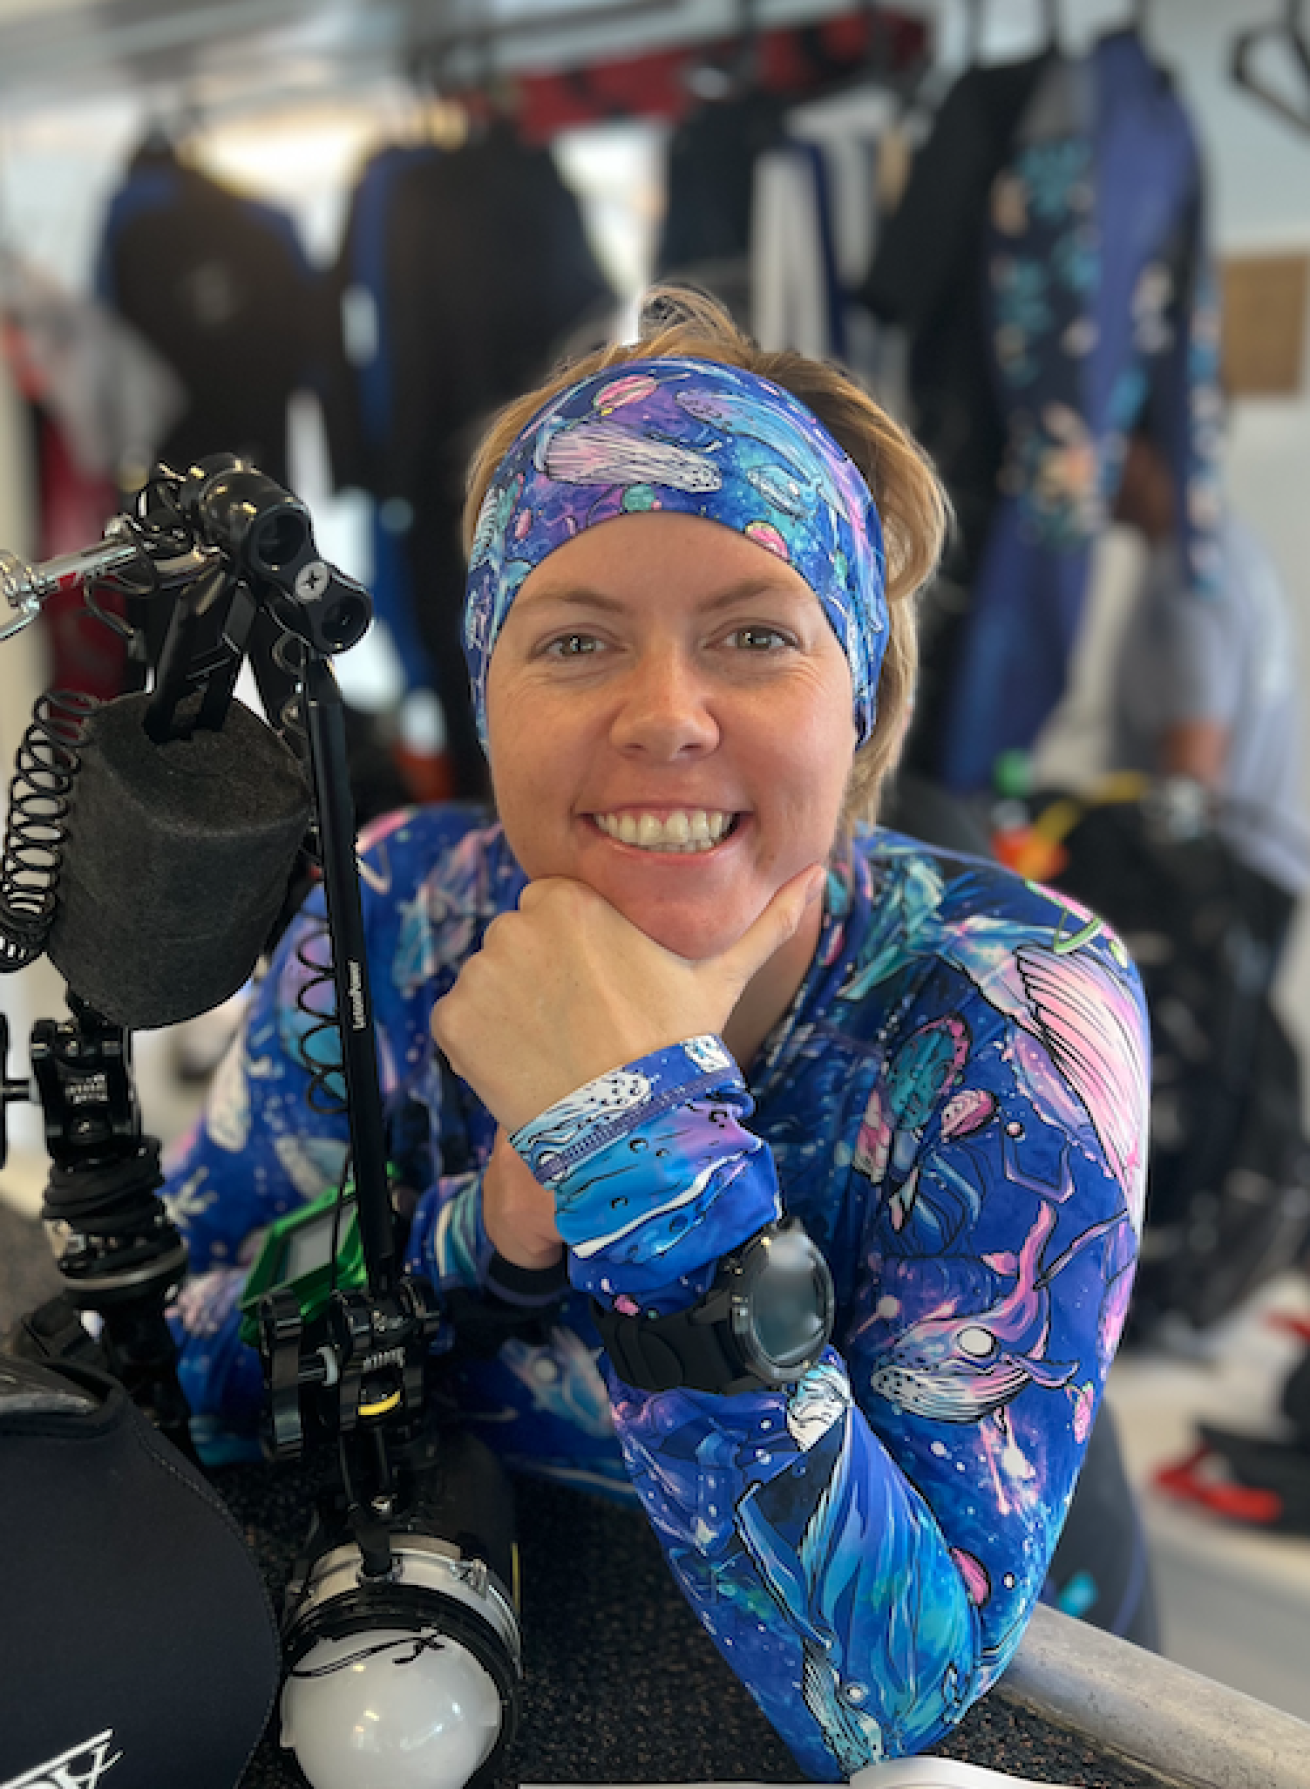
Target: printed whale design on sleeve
{"type": "Point", "coordinates": [963, 1367]}
{"type": "Point", "coordinates": [1082, 1015]}
{"type": "Point", "coordinates": [821, 1543]}
{"type": "Point", "coordinates": [1080, 1047]}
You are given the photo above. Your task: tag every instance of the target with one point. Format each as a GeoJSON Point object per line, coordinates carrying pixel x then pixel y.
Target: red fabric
{"type": "Point", "coordinates": [1190, 1481]}
{"type": "Point", "coordinates": [800, 60]}
{"type": "Point", "coordinates": [1297, 1326]}
{"type": "Point", "coordinates": [85, 654]}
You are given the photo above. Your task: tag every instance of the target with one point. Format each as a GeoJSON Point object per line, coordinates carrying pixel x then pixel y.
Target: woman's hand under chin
{"type": "Point", "coordinates": [566, 989]}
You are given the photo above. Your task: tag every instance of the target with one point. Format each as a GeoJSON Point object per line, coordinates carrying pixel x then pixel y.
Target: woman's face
{"type": "Point", "coordinates": [669, 721]}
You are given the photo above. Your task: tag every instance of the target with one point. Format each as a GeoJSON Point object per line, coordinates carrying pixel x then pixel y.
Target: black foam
{"type": "Point", "coordinates": [176, 863]}
{"type": "Point", "coordinates": [135, 1632]}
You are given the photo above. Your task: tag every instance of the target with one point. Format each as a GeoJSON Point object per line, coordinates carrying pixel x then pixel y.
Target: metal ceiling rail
{"type": "Point", "coordinates": [55, 54]}
{"type": "Point", "coordinates": [549, 23]}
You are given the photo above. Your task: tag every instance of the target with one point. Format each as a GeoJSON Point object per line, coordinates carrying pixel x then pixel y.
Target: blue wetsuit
{"type": "Point", "coordinates": [955, 1107]}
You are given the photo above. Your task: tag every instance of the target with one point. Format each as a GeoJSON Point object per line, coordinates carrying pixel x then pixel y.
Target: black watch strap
{"type": "Point", "coordinates": [682, 1350]}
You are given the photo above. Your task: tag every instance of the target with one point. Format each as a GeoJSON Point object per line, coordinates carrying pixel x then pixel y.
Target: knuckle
{"type": "Point", "coordinates": [495, 929]}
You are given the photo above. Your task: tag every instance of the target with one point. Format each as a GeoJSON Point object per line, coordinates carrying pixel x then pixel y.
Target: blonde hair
{"type": "Point", "coordinates": [680, 322]}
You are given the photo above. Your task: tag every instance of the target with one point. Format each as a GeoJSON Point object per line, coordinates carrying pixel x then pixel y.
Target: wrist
{"type": "Point", "coordinates": [526, 1256]}
{"type": "Point", "coordinates": [518, 1215]}
{"type": "Point", "coordinates": [527, 1286]}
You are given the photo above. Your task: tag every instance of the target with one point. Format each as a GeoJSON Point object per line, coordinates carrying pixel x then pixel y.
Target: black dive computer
{"type": "Point", "coordinates": [764, 1322]}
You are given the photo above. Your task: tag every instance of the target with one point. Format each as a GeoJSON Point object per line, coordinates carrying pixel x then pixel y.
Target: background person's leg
{"type": "Point", "coordinates": [1101, 1570]}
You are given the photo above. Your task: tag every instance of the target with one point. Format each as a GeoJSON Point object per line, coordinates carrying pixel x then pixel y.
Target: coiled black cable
{"type": "Point", "coordinates": [319, 1044]}
{"type": "Point", "coordinates": [46, 766]}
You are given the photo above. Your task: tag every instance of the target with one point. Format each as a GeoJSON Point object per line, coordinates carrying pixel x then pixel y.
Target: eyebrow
{"type": "Point", "coordinates": [581, 596]}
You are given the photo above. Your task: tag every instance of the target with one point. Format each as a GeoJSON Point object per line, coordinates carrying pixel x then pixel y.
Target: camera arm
{"type": "Point", "coordinates": [240, 552]}
{"type": "Point", "coordinates": [227, 546]}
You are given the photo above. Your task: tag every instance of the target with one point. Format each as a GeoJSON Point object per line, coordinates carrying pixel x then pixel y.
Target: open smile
{"type": "Point", "coordinates": [681, 831]}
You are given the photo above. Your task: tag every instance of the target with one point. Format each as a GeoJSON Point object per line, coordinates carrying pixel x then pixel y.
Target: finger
{"type": "Point", "coordinates": [774, 927]}
{"type": "Point", "coordinates": [564, 891]}
{"type": "Point", "coordinates": [545, 888]}
{"type": "Point", "coordinates": [438, 1021]}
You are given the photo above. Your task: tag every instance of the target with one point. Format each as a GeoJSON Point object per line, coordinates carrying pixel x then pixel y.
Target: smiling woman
{"type": "Point", "coordinates": [662, 674]}
{"type": "Point", "coordinates": [771, 505]}
{"type": "Point", "coordinates": [796, 1168]}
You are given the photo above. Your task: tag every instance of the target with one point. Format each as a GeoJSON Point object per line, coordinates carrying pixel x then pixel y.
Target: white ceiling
{"type": "Point", "coordinates": [54, 47]}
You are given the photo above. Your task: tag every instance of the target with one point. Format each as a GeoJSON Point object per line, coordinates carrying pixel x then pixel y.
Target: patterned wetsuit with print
{"type": "Point", "coordinates": [954, 1106]}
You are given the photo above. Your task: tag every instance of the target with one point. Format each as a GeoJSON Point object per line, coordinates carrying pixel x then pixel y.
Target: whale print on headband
{"type": "Point", "coordinates": [696, 438]}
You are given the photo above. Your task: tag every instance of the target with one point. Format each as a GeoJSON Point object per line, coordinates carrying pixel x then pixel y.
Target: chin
{"type": "Point", "coordinates": [694, 935]}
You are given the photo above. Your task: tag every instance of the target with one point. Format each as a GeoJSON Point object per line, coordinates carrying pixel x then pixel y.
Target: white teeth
{"type": "Point", "coordinates": [683, 830]}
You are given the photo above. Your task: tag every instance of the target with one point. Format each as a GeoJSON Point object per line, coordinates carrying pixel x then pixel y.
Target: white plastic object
{"type": "Point", "coordinates": [405, 1716]}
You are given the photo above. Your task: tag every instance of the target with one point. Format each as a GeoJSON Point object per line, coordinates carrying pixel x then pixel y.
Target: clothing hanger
{"type": "Point", "coordinates": [172, 127]}
{"type": "Point", "coordinates": [734, 75]}
{"type": "Point", "coordinates": [880, 64]}
{"type": "Point", "coordinates": [1051, 18]}
{"type": "Point", "coordinates": [879, 46]}
{"type": "Point", "coordinates": [1139, 23]}
{"type": "Point", "coordinates": [977, 19]}
{"type": "Point", "coordinates": [440, 118]}
{"type": "Point", "coordinates": [1289, 32]}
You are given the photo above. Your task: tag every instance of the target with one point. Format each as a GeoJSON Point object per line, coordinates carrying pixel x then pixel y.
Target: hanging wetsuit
{"type": "Point", "coordinates": [925, 278]}
{"type": "Point", "coordinates": [473, 267]}
{"type": "Point", "coordinates": [926, 273]}
{"type": "Point", "coordinates": [219, 285]}
{"type": "Point", "coordinates": [1087, 305]}
{"type": "Point", "coordinates": [709, 188]}
{"type": "Point", "coordinates": [1100, 312]}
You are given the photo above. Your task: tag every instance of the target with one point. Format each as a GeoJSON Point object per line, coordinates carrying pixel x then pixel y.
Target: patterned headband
{"type": "Point", "coordinates": [701, 439]}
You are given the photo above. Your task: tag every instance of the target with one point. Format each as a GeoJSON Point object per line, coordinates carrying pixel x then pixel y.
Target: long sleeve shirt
{"type": "Point", "coordinates": [954, 1106]}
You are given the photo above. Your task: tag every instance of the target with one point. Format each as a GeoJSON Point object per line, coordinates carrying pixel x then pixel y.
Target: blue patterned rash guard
{"type": "Point", "coordinates": [955, 1107]}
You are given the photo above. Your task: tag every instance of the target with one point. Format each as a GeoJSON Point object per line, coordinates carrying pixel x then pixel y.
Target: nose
{"type": "Point", "coordinates": [665, 709]}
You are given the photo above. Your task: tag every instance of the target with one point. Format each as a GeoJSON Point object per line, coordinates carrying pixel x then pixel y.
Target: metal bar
{"type": "Point", "coordinates": [533, 24]}
{"type": "Point", "coordinates": [1153, 1713]}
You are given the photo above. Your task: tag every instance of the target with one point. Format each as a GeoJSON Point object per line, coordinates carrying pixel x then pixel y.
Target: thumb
{"type": "Point", "coordinates": [778, 922]}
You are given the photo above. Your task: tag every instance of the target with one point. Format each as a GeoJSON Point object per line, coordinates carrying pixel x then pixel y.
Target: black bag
{"type": "Point", "coordinates": [1228, 1190]}
{"type": "Point", "coordinates": [137, 1643]}
{"type": "Point", "coordinates": [1248, 1479]}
